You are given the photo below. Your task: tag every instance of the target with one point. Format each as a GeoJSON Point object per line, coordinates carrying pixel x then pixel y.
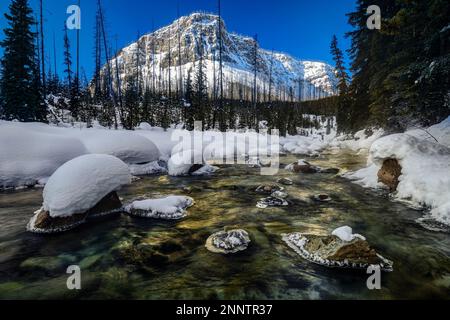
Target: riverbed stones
{"type": "Point", "coordinates": [322, 198]}
{"type": "Point", "coordinates": [268, 189]}
{"type": "Point", "coordinates": [390, 173]}
{"type": "Point", "coordinates": [302, 166]}
{"type": "Point", "coordinates": [43, 223]}
{"type": "Point", "coordinates": [331, 251]}
{"type": "Point", "coordinates": [285, 181]}
{"type": "Point", "coordinates": [228, 242]}
{"type": "Point", "coordinates": [271, 202]}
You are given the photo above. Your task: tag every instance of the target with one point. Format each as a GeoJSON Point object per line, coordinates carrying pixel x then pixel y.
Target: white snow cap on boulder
{"type": "Point", "coordinates": [28, 155]}
{"type": "Point", "coordinates": [81, 183]}
{"type": "Point", "coordinates": [171, 207]}
{"type": "Point", "coordinates": [346, 234]}
{"type": "Point", "coordinates": [180, 163]}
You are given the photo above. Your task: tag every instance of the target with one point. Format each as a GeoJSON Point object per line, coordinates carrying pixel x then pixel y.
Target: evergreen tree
{"type": "Point", "coordinates": [20, 84]}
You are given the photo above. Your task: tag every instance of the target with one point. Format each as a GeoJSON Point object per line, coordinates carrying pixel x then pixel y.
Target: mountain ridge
{"type": "Point", "coordinates": [289, 77]}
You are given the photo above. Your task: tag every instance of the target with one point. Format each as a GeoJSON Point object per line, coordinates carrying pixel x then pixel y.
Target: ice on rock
{"type": "Point", "coordinates": [170, 208]}
{"type": "Point", "coordinates": [226, 242]}
{"type": "Point", "coordinates": [81, 183]}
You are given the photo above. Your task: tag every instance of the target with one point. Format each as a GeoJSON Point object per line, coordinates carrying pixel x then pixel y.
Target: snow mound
{"type": "Point", "coordinates": [361, 140]}
{"type": "Point", "coordinates": [425, 178]}
{"type": "Point", "coordinates": [29, 156]}
{"type": "Point", "coordinates": [181, 163]}
{"type": "Point", "coordinates": [127, 146]}
{"type": "Point", "coordinates": [346, 234]}
{"type": "Point", "coordinates": [81, 183]}
{"type": "Point", "coordinates": [170, 208]}
{"type": "Point", "coordinates": [151, 168]}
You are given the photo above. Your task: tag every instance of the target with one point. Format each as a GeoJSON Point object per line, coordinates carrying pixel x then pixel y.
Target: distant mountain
{"type": "Point", "coordinates": [290, 77]}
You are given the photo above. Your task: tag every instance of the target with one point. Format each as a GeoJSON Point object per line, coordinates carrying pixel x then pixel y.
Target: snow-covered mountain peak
{"type": "Point", "coordinates": [175, 50]}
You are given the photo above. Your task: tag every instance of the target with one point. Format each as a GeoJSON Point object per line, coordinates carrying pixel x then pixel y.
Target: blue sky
{"type": "Point", "coordinates": [298, 27]}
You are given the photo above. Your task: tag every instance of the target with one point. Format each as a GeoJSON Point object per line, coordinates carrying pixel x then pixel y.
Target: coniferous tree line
{"type": "Point", "coordinates": [401, 73]}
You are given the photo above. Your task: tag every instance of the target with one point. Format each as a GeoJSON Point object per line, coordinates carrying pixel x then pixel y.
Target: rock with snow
{"type": "Point", "coordinates": [81, 183]}
{"type": "Point", "coordinates": [227, 242]}
{"type": "Point", "coordinates": [285, 181]}
{"type": "Point", "coordinates": [332, 251]}
{"type": "Point", "coordinates": [268, 189]}
{"type": "Point", "coordinates": [271, 202]}
{"type": "Point", "coordinates": [169, 208]}
{"type": "Point", "coordinates": [43, 223]}
{"type": "Point", "coordinates": [151, 168]}
{"type": "Point", "coordinates": [189, 162]}
{"type": "Point", "coordinates": [29, 156]}
{"type": "Point", "coordinates": [425, 169]}
{"type": "Point", "coordinates": [302, 166]}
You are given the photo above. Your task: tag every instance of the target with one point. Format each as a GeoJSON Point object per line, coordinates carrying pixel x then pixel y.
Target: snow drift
{"type": "Point", "coordinates": [29, 156]}
{"type": "Point", "coordinates": [425, 178]}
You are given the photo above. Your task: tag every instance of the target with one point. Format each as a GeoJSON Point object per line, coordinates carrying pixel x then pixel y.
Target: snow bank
{"type": "Point", "coordinates": [360, 140]}
{"type": "Point", "coordinates": [29, 156]}
{"type": "Point", "coordinates": [171, 208]}
{"type": "Point", "coordinates": [81, 183]}
{"type": "Point", "coordinates": [346, 234]}
{"type": "Point", "coordinates": [425, 178]}
{"type": "Point", "coordinates": [127, 146]}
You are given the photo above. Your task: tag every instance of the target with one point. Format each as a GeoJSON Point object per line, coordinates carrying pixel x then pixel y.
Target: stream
{"type": "Point", "coordinates": [113, 253]}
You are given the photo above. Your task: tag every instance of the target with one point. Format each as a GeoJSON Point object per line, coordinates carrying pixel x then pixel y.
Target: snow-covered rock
{"type": "Point", "coordinates": [81, 183]}
{"type": "Point", "coordinates": [29, 156]}
{"type": "Point", "coordinates": [227, 242]}
{"type": "Point", "coordinates": [425, 173]}
{"type": "Point", "coordinates": [271, 201]}
{"type": "Point", "coordinates": [188, 162]}
{"type": "Point", "coordinates": [145, 169]}
{"type": "Point", "coordinates": [169, 208]}
{"type": "Point", "coordinates": [302, 166]}
{"type": "Point", "coordinates": [332, 251]}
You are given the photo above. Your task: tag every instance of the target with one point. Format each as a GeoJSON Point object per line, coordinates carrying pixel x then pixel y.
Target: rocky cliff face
{"type": "Point", "coordinates": [158, 57]}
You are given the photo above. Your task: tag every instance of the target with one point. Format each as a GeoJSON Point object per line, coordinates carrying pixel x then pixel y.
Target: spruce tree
{"type": "Point", "coordinates": [20, 84]}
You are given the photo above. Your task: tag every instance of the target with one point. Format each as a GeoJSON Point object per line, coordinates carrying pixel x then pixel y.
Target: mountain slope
{"type": "Point", "coordinates": [290, 78]}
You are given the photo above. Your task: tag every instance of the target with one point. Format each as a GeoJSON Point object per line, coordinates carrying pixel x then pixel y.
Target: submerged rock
{"type": "Point", "coordinates": [268, 189]}
{"type": "Point", "coordinates": [390, 173]}
{"type": "Point", "coordinates": [302, 166]}
{"type": "Point", "coordinates": [332, 251]}
{"type": "Point", "coordinates": [285, 181]}
{"type": "Point", "coordinates": [322, 198]}
{"type": "Point", "coordinates": [226, 242]}
{"type": "Point", "coordinates": [271, 202]}
{"type": "Point", "coordinates": [169, 208]}
{"type": "Point", "coordinates": [330, 170]}
{"type": "Point", "coordinates": [43, 222]}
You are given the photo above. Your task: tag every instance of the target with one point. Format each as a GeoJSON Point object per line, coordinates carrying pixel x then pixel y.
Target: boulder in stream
{"type": "Point", "coordinates": [268, 189]}
{"type": "Point", "coordinates": [271, 202]}
{"type": "Point", "coordinates": [390, 173]}
{"type": "Point", "coordinates": [227, 242]}
{"type": "Point", "coordinates": [322, 198]}
{"type": "Point", "coordinates": [168, 208]}
{"type": "Point", "coordinates": [302, 166]}
{"type": "Point", "coordinates": [81, 188]}
{"type": "Point", "coordinates": [285, 181]}
{"type": "Point", "coordinates": [339, 250]}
